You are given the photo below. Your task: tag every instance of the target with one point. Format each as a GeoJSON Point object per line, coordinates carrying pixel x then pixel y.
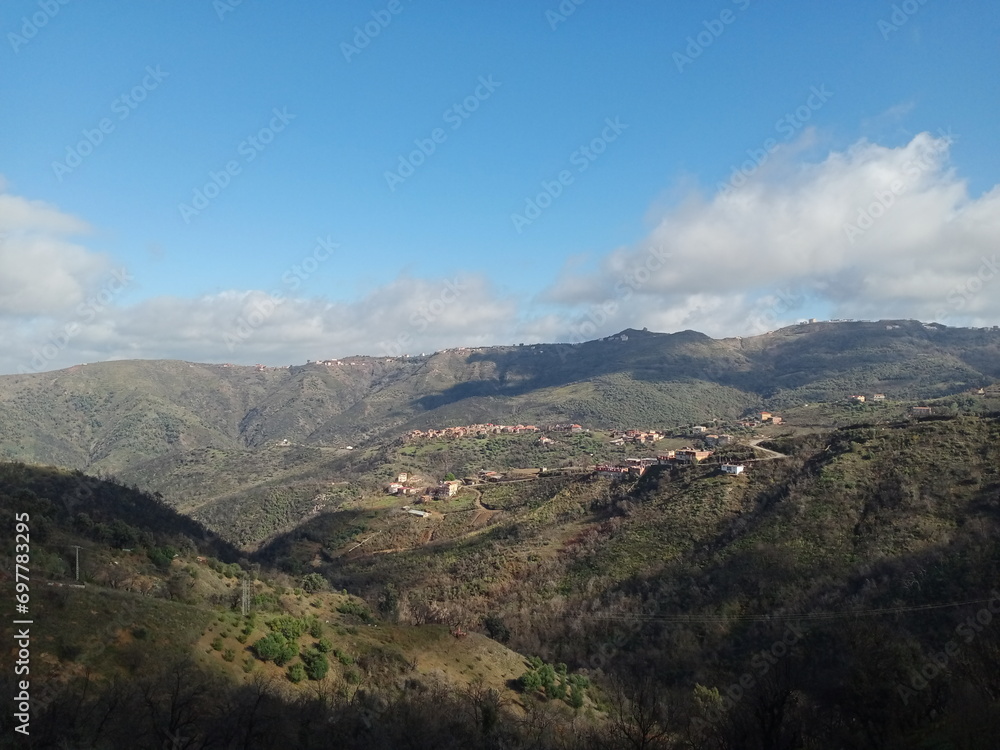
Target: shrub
{"type": "Point", "coordinates": [316, 664]}
{"type": "Point", "coordinates": [288, 652]}
{"type": "Point", "coordinates": [288, 626]}
{"type": "Point", "coordinates": [496, 628]}
{"type": "Point", "coordinates": [313, 582]}
{"type": "Point", "coordinates": [270, 646]}
{"type": "Point", "coordinates": [345, 659]}
{"type": "Point", "coordinates": [296, 672]}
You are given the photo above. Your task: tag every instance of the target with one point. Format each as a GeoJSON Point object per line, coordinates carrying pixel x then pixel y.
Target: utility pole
{"type": "Point", "coordinates": [77, 548]}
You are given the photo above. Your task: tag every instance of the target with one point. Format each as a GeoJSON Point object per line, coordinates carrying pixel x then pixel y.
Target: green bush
{"type": "Point", "coordinates": [358, 609]}
{"type": "Point", "coordinates": [316, 664]}
{"type": "Point", "coordinates": [345, 659]}
{"type": "Point", "coordinates": [270, 647]}
{"type": "Point", "coordinates": [313, 582]}
{"type": "Point", "coordinates": [296, 672]}
{"type": "Point", "coordinates": [288, 626]}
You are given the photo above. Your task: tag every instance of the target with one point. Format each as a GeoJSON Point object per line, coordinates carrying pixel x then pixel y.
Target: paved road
{"type": "Point", "coordinates": [770, 453]}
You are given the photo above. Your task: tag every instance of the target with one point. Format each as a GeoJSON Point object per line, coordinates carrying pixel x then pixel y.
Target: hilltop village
{"type": "Point", "coordinates": [407, 484]}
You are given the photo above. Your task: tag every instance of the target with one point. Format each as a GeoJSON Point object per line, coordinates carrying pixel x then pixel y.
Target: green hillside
{"type": "Point", "coordinates": [253, 451]}
{"type": "Point", "coordinates": [688, 574]}
{"type": "Point", "coordinates": [146, 644]}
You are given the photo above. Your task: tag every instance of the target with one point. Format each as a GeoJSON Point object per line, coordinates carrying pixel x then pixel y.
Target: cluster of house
{"type": "Point", "coordinates": [711, 438]}
{"type": "Point", "coordinates": [861, 398]}
{"type": "Point", "coordinates": [620, 437]}
{"type": "Point", "coordinates": [761, 418]}
{"type": "Point", "coordinates": [472, 430]}
{"type": "Point", "coordinates": [400, 487]}
{"type": "Point", "coordinates": [637, 466]}
{"type": "Point", "coordinates": [333, 362]}
{"type": "Point", "coordinates": [484, 430]}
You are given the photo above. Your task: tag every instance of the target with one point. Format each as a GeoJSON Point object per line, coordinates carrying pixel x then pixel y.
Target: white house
{"type": "Point", "coordinates": [732, 468]}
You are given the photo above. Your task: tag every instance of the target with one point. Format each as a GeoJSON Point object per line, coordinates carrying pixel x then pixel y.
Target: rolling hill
{"type": "Point", "coordinates": [272, 443]}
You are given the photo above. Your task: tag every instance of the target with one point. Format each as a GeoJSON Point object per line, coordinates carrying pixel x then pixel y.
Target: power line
{"type": "Point", "coordinates": [782, 616]}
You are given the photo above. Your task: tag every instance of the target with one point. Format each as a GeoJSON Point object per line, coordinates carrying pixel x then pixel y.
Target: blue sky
{"type": "Point", "coordinates": [626, 120]}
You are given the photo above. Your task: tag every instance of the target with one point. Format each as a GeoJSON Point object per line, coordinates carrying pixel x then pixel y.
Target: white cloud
{"type": "Point", "coordinates": [405, 316]}
{"type": "Point", "coordinates": [870, 232]}
{"type": "Point", "coordinates": [41, 271]}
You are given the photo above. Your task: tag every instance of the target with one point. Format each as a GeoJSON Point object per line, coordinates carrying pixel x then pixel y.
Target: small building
{"type": "Point", "coordinates": [699, 429]}
{"type": "Point", "coordinates": [403, 476]}
{"type": "Point", "coordinates": [733, 468]}
{"type": "Point", "coordinates": [691, 456]}
{"type": "Point", "coordinates": [859, 398]}
{"type": "Point", "coordinates": [878, 397]}
{"type": "Point", "coordinates": [765, 416]}
{"type": "Point", "coordinates": [776, 419]}
{"type": "Point", "coordinates": [921, 411]}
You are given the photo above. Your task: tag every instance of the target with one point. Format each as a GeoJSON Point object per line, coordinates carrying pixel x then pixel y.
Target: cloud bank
{"type": "Point", "coordinates": [869, 232]}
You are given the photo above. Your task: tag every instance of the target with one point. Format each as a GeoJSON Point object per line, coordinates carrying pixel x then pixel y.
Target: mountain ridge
{"type": "Point", "coordinates": [170, 425]}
